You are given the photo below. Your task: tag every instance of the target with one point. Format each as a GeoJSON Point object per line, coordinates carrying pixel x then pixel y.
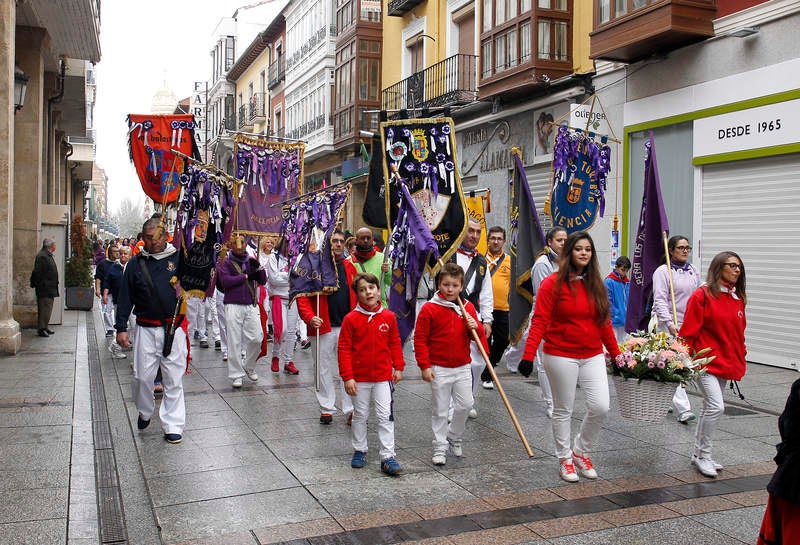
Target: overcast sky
{"type": "Point", "coordinates": [143, 44]}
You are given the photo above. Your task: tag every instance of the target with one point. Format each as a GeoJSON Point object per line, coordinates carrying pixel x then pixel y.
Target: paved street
{"type": "Point", "coordinates": [255, 465]}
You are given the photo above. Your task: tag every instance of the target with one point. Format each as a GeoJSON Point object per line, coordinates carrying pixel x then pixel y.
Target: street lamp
{"type": "Point", "coordinates": [20, 88]}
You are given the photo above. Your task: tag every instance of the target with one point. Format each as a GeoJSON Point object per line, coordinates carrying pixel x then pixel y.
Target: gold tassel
{"type": "Point", "coordinates": [488, 202]}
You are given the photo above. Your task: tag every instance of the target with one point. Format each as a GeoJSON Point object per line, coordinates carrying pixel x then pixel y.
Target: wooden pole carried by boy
{"type": "Point", "coordinates": [497, 384]}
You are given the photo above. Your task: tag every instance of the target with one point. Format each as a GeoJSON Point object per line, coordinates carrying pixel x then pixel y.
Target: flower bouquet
{"type": "Point", "coordinates": [655, 361]}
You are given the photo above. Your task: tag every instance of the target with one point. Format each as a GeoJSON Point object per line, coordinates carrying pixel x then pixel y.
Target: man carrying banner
{"type": "Point", "coordinates": [240, 276]}
{"type": "Point", "coordinates": [368, 259]}
{"type": "Point", "coordinates": [500, 270]}
{"type": "Point", "coordinates": [324, 313]}
{"type": "Point", "coordinates": [161, 343]}
{"type": "Point", "coordinates": [477, 290]}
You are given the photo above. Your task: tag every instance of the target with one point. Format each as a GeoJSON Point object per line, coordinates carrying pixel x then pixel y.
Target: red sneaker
{"type": "Point", "coordinates": [276, 364]}
{"type": "Point", "coordinates": [291, 369]}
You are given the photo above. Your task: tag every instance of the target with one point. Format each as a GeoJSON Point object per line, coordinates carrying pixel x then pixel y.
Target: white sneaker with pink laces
{"type": "Point", "coordinates": [566, 470]}
{"type": "Point", "coordinates": [584, 464]}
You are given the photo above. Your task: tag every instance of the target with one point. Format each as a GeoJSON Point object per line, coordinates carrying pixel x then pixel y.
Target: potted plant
{"type": "Point", "coordinates": [78, 272]}
{"type": "Point", "coordinates": [647, 369]}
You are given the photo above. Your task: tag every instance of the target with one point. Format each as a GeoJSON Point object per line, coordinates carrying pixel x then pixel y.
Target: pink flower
{"type": "Point", "coordinates": [650, 364]}
{"type": "Point", "coordinates": [668, 354]}
{"type": "Point", "coordinates": [635, 341]}
{"type": "Point", "coordinates": [679, 347]}
{"type": "Point", "coordinates": [661, 364]}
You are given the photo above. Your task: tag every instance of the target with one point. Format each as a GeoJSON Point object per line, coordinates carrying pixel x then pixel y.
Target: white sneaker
{"type": "Point", "coordinates": [455, 448]}
{"type": "Point", "coordinates": [717, 465]}
{"type": "Point", "coordinates": [584, 465]}
{"type": "Point", "coordinates": [705, 466]}
{"type": "Point", "coordinates": [237, 382]}
{"type": "Point", "coordinates": [251, 374]}
{"type": "Point", "coordinates": [566, 470]}
{"type": "Point", "coordinates": [439, 459]}
{"type": "Point", "coordinates": [488, 385]}
{"type": "Point", "coordinates": [473, 413]}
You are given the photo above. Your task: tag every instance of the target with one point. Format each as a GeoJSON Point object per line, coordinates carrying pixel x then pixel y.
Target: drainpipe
{"type": "Point", "coordinates": [50, 102]}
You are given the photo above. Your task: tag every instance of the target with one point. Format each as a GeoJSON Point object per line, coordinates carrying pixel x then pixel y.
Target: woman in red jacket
{"type": "Point", "coordinates": [715, 319]}
{"type": "Point", "coordinates": [572, 316]}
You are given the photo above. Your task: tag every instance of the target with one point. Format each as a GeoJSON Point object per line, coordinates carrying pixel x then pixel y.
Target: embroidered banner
{"type": "Point", "coordinates": [476, 210]}
{"type": "Point", "coordinates": [150, 141]}
{"type": "Point", "coordinates": [580, 169]}
{"type": "Point", "coordinates": [423, 152]}
{"type": "Point", "coordinates": [411, 246]}
{"type": "Point", "coordinates": [307, 228]}
{"type": "Point", "coordinates": [271, 172]}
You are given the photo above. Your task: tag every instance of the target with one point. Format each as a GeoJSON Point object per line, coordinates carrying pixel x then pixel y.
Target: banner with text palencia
{"type": "Point", "coordinates": [271, 172]}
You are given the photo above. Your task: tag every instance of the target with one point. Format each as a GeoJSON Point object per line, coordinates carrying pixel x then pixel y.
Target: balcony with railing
{"type": "Point", "coordinates": [450, 82]}
{"type": "Point", "coordinates": [257, 109]}
{"type": "Point", "coordinates": [398, 8]}
{"type": "Point", "coordinates": [631, 30]}
{"type": "Point", "coordinates": [276, 72]}
{"type": "Point", "coordinates": [244, 119]}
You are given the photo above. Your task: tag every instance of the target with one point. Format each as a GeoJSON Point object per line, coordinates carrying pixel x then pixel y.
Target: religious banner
{"type": "Point", "coordinates": [580, 170]}
{"type": "Point", "coordinates": [411, 247]}
{"type": "Point", "coordinates": [477, 206]}
{"type": "Point", "coordinates": [379, 212]}
{"type": "Point", "coordinates": [526, 241]}
{"type": "Point", "coordinates": [648, 247]}
{"type": "Point", "coordinates": [151, 138]}
{"type": "Point", "coordinates": [423, 152]}
{"type": "Point", "coordinates": [271, 172]}
{"type": "Point", "coordinates": [308, 224]}
{"type": "Point", "coordinates": [202, 225]}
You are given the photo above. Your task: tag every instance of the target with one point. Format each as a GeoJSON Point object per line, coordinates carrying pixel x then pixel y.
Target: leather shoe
{"type": "Point", "coordinates": [50, 331]}
{"type": "Point", "coordinates": [141, 423]}
{"type": "Point", "coordinates": [43, 333]}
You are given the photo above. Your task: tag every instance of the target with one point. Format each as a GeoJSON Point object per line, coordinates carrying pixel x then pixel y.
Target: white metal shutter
{"type": "Point", "coordinates": [751, 207]}
{"type": "Point", "coordinates": [540, 179]}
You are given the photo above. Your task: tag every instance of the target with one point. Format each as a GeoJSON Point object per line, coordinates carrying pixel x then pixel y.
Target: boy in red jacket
{"type": "Point", "coordinates": [442, 347]}
{"type": "Point", "coordinates": [371, 363]}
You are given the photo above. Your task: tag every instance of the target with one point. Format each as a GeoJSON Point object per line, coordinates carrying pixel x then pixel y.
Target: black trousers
{"type": "Point", "coordinates": [498, 340]}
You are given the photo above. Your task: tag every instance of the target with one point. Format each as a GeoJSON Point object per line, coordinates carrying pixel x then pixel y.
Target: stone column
{"type": "Point", "coordinates": [29, 171]}
{"type": "Point", "coordinates": [10, 337]}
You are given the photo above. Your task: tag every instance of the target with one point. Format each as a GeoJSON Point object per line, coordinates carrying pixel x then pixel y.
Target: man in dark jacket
{"type": "Point", "coordinates": [44, 279]}
{"type": "Point", "coordinates": [148, 291]}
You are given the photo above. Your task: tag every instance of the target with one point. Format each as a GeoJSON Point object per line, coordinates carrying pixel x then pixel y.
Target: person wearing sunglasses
{"type": "Point", "coordinates": [685, 280]}
{"type": "Point", "coordinates": [715, 319]}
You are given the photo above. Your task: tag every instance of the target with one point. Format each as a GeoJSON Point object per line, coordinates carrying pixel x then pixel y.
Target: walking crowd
{"type": "Point", "coordinates": [574, 330]}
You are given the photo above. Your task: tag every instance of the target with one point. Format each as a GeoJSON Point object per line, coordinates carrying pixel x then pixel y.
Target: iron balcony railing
{"type": "Point", "coordinates": [257, 107]}
{"type": "Point", "coordinates": [276, 72]}
{"type": "Point", "coordinates": [450, 82]}
{"type": "Point", "coordinates": [398, 8]}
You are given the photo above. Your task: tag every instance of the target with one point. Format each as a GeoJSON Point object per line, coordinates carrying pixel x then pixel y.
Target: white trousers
{"type": "Point", "coordinates": [244, 334]}
{"type": "Point", "coordinates": [218, 326]}
{"type": "Point", "coordinates": [381, 395]}
{"type": "Point", "coordinates": [196, 315]}
{"type": "Point", "coordinates": [619, 333]}
{"type": "Point", "coordinates": [450, 383]}
{"type": "Point", "coordinates": [283, 348]}
{"type": "Point", "coordinates": [681, 400]}
{"type": "Point", "coordinates": [476, 365]}
{"type": "Point", "coordinates": [541, 374]}
{"type": "Point", "coordinates": [564, 374]}
{"type": "Point", "coordinates": [108, 313]}
{"type": "Point", "coordinates": [713, 407]}
{"type": "Point", "coordinates": [146, 360]}
{"type": "Point", "coordinates": [329, 379]}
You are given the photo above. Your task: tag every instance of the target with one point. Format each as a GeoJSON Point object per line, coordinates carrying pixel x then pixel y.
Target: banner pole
{"type": "Point", "coordinates": [316, 355]}
{"type": "Point", "coordinates": [499, 386]}
{"type": "Point", "coordinates": [671, 284]}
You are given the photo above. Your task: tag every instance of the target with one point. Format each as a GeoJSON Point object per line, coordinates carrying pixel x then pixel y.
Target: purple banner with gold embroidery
{"type": "Point", "coordinates": [423, 153]}
{"type": "Point", "coordinates": [271, 172]}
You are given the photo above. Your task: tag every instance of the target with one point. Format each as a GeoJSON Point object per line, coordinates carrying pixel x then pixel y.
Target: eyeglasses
{"type": "Point", "coordinates": [683, 248]}
{"type": "Point", "coordinates": [734, 266]}
{"type": "Point", "coordinates": [499, 239]}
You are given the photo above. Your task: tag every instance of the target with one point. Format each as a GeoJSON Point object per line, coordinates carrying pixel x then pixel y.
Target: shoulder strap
{"type": "Point", "coordinates": [498, 265]}
{"type": "Point", "coordinates": [249, 284]}
{"type": "Point", "coordinates": [473, 266]}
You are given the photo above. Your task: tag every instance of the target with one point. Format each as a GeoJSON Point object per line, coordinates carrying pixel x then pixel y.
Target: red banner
{"type": "Point", "coordinates": [151, 138]}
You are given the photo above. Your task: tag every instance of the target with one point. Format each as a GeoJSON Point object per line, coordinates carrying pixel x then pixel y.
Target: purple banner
{"type": "Point", "coordinates": [648, 248]}
{"type": "Point", "coordinates": [271, 172]}
{"type": "Point", "coordinates": [412, 245]}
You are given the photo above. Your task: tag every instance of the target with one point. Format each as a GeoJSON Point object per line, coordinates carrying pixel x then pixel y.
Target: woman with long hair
{"type": "Point", "coordinates": [685, 280]}
{"type": "Point", "coordinates": [715, 319]}
{"type": "Point", "coordinates": [572, 316]}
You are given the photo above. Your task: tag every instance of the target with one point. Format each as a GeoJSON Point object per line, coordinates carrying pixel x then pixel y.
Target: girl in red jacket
{"type": "Point", "coordinates": [371, 363]}
{"type": "Point", "coordinates": [442, 347]}
{"type": "Point", "coordinates": [715, 319]}
{"type": "Point", "coordinates": [572, 316]}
